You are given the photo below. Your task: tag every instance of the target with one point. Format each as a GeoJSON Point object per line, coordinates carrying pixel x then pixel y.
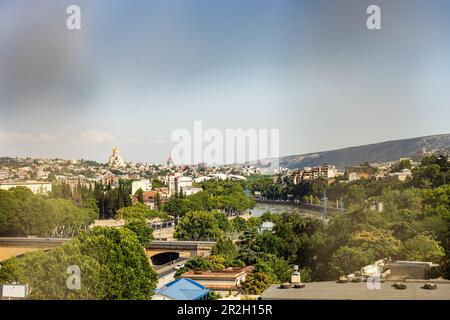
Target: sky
{"type": "Point", "coordinates": [138, 70]}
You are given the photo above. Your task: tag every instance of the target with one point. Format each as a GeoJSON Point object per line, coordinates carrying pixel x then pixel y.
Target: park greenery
{"type": "Point", "coordinates": [140, 211]}
{"type": "Point", "coordinates": [226, 196]}
{"type": "Point", "coordinates": [111, 261]}
{"type": "Point", "coordinates": [23, 213]}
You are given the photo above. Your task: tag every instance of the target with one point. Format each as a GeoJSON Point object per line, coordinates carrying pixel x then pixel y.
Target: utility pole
{"type": "Point", "coordinates": [325, 201]}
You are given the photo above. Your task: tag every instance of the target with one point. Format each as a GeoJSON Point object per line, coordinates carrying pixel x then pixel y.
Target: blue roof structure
{"type": "Point", "coordinates": [183, 289]}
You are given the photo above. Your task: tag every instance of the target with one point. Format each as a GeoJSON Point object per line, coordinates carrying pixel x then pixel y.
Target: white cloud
{"type": "Point", "coordinates": [25, 136]}
{"type": "Point", "coordinates": [94, 136]}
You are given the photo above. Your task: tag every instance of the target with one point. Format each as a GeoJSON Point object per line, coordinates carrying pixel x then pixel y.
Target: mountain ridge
{"type": "Point", "coordinates": [379, 152]}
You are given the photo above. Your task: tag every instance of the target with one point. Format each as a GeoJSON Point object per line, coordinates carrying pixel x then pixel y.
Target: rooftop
{"type": "Point", "coordinates": [230, 273]}
{"type": "Point", "coordinates": [183, 289]}
{"type": "Point", "coordinates": [330, 290]}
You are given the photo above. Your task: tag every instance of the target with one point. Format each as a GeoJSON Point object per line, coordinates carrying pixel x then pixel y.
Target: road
{"type": "Point", "coordinates": [166, 270]}
{"type": "Point", "coordinates": [165, 279]}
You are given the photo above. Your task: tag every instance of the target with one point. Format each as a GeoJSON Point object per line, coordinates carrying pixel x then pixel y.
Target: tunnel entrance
{"type": "Point", "coordinates": [164, 257]}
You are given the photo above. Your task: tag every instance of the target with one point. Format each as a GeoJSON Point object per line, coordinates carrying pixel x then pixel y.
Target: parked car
{"type": "Point", "coordinates": [179, 266]}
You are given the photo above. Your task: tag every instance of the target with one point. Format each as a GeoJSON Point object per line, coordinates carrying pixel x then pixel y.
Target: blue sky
{"type": "Point", "coordinates": [137, 70]}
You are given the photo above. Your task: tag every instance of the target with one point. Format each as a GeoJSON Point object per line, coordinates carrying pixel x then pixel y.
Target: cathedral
{"type": "Point", "coordinates": [116, 161]}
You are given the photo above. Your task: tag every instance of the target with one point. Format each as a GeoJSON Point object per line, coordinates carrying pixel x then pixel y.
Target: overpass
{"type": "Point", "coordinates": [162, 252]}
{"type": "Point", "coordinates": [12, 246]}
{"type": "Point", "coordinates": [159, 252]}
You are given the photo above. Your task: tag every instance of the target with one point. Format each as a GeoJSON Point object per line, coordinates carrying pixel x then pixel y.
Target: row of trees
{"type": "Point", "coordinates": [23, 213]}
{"type": "Point", "coordinates": [107, 199]}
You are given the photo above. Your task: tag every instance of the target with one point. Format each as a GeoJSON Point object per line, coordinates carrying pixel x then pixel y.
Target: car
{"type": "Point", "coordinates": [179, 266]}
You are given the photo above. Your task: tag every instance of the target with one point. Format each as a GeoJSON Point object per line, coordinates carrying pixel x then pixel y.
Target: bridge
{"type": "Point", "coordinates": [159, 252]}
{"type": "Point", "coordinates": [162, 252]}
{"type": "Point", "coordinates": [12, 246]}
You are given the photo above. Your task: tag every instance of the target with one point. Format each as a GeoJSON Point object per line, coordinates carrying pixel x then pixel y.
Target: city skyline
{"type": "Point", "coordinates": [134, 74]}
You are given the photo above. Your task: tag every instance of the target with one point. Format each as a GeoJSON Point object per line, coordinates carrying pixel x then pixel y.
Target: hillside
{"type": "Point", "coordinates": [377, 152]}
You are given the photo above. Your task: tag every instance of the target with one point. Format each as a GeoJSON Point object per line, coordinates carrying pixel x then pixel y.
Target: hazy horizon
{"type": "Point", "coordinates": [104, 161]}
{"type": "Point", "coordinates": [135, 73]}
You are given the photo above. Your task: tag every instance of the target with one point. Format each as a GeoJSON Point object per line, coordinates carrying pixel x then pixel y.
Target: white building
{"type": "Point", "coordinates": [402, 175]}
{"type": "Point", "coordinates": [219, 176]}
{"type": "Point", "coordinates": [115, 161]}
{"type": "Point", "coordinates": [183, 183]}
{"type": "Point", "coordinates": [34, 186]}
{"type": "Point", "coordinates": [190, 191]}
{"type": "Point", "coordinates": [145, 185]}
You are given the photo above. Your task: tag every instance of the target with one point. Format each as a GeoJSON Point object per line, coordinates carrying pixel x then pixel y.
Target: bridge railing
{"type": "Point", "coordinates": [186, 245]}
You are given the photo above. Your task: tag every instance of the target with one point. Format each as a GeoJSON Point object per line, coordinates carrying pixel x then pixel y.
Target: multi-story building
{"type": "Point", "coordinates": [144, 185]}
{"type": "Point", "coordinates": [359, 172]}
{"type": "Point", "coordinates": [182, 183]}
{"type": "Point", "coordinates": [402, 175]}
{"type": "Point", "coordinates": [324, 171]}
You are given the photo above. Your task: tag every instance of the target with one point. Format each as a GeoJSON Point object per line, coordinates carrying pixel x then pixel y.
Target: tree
{"type": "Point", "coordinates": [23, 213]}
{"type": "Point", "coordinates": [47, 277]}
{"type": "Point", "coordinates": [238, 224]}
{"type": "Point", "coordinates": [8, 211]}
{"type": "Point", "coordinates": [137, 211]}
{"type": "Point", "coordinates": [423, 248]}
{"type": "Point", "coordinates": [432, 172]}
{"type": "Point", "coordinates": [377, 244]}
{"type": "Point", "coordinates": [277, 268]}
{"type": "Point", "coordinates": [257, 282]}
{"type": "Point", "coordinates": [347, 260]}
{"type": "Point", "coordinates": [140, 195]}
{"type": "Point", "coordinates": [213, 295]}
{"type": "Point", "coordinates": [158, 201]}
{"type": "Point", "coordinates": [437, 201]}
{"type": "Point", "coordinates": [127, 273]}
{"type": "Point", "coordinates": [223, 222]}
{"type": "Point", "coordinates": [198, 225]}
{"type": "Point", "coordinates": [226, 247]}
{"type": "Point", "coordinates": [112, 265]}
{"type": "Point", "coordinates": [355, 195]}
{"type": "Point", "coordinates": [249, 249]}
{"type": "Point", "coordinates": [142, 230]}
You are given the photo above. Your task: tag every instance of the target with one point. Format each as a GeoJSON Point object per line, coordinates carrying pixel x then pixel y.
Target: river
{"type": "Point", "coordinates": [279, 208]}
